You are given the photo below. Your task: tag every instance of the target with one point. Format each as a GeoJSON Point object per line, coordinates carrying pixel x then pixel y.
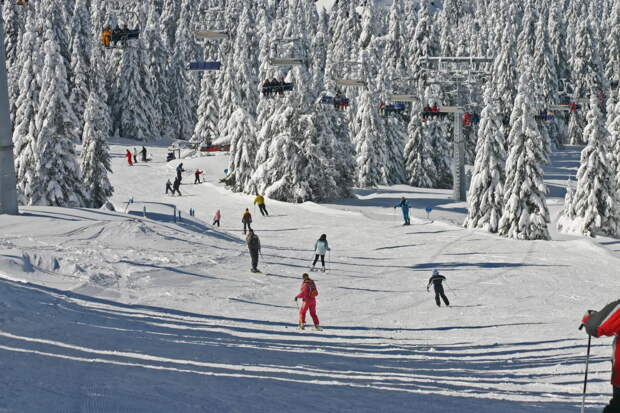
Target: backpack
{"type": "Point", "coordinates": [312, 291]}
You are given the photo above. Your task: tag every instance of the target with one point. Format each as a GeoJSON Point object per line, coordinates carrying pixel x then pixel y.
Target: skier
{"type": "Point", "coordinates": [176, 185]}
{"type": "Point", "coordinates": [320, 248]}
{"type": "Point", "coordinates": [607, 323]}
{"type": "Point", "coordinates": [404, 206]}
{"type": "Point", "coordinates": [308, 294]}
{"type": "Point", "coordinates": [254, 246]}
{"type": "Point", "coordinates": [247, 220]}
{"type": "Point", "coordinates": [217, 217]}
{"type": "Point", "coordinates": [106, 36]}
{"type": "Point", "coordinates": [135, 155]}
{"type": "Point", "coordinates": [197, 176]}
{"type": "Point", "coordinates": [143, 152]}
{"type": "Point", "coordinates": [260, 201]}
{"type": "Point", "coordinates": [179, 171]}
{"type": "Point", "coordinates": [169, 187]}
{"type": "Point", "coordinates": [128, 156]}
{"type": "Point", "coordinates": [437, 280]}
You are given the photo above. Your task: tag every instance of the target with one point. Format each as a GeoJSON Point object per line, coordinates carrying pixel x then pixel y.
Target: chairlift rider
{"type": "Point", "coordinates": [106, 36]}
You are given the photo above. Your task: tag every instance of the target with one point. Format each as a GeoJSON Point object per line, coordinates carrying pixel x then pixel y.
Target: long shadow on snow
{"type": "Point", "coordinates": [318, 360]}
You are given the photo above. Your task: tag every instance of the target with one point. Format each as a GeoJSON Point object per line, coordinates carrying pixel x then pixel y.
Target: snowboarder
{"type": "Point", "coordinates": [404, 206]}
{"type": "Point", "coordinates": [128, 156]}
{"type": "Point", "coordinates": [179, 171]}
{"type": "Point", "coordinates": [106, 36]}
{"type": "Point", "coordinates": [176, 185]}
{"type": "Point", "coordinates": [135, 155]}
{"type": "Point", "coordinates": [254, 246]}
{"type": "Point", "coordinates": [607, 323]}
{"type": "Point", "coordinates": [197, 176]}
{"type": "Point", "coordinates": [247, 220]}
{"type": "Point", "coordinates": [169, 187]}
{"type": "Point", "coordinates": [320, 248]}
{"type": "Point", "coordinates": [143, 152]}
{"type": "Point", "coordinates": [308, 294]}
{"type": "Point", "coordinates": [260, 201]}
{"type": "Point", "coordinates": [217, 217]}
{"type": "Point", "coordinates": [437, 280]}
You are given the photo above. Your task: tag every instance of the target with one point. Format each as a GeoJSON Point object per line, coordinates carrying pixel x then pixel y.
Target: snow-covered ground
{"type": "Point", "coordinates": [112, 312]}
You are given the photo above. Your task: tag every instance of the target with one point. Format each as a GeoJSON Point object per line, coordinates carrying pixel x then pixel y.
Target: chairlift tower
{"type": "Point", "coordinates": [8, 179]}
{"type": "Point", "coordinates": [458, 71]}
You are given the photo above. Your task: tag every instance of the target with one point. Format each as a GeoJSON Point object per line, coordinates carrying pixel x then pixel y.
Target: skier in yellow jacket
{"type": "Point", "coordinates": [260, 201]}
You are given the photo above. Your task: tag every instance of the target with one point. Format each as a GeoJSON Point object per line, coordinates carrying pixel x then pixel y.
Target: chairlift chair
{"type": "Point", "coordinates": [282, 61]}
{"type": "Point", "coordinates": [339, 102]}
{"type": "Point", "coordinates": [212, 33]}
{"type": "Point", "coordinates": [201, 66]}
{"type": "Point", "coordinates": [349, 82]}
{"type": "Point", "coordinates": [120, 39]}
{"type": "Point", "coordinates": [277, 88]}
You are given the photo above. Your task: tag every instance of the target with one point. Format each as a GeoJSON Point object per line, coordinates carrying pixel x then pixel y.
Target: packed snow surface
{"type": "Point", "coordinates": [121, 312]}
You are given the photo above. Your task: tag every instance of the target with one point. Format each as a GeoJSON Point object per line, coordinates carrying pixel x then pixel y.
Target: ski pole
{"type": "Point", "coordinates": [585, 379]}
{"type": "Point", "coordinates": [329, 260]}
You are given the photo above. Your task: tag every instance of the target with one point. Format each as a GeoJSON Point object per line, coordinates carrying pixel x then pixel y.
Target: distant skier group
{"type": "Point", "coordinates": [132, 158]}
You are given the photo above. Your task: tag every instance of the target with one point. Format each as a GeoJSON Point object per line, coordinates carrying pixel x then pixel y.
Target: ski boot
{"type": "Point", "coordinates": [317, 327]}
{"type": "Point", "coordinates": [302, 326]}
{"type": "Point", "coordinates": [323, 269]}
{"type": "Point", "coordinates": [313, 269]}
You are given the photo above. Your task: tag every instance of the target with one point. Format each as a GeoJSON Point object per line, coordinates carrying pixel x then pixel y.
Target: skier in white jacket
{"type": "Point", "coordinates": [320, 249]}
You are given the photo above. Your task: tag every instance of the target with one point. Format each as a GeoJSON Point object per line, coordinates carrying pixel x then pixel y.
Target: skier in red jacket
{"type": "Point", "coordinates": [128, 155]}
{"type": "Point", "coordinates": [308, 294]}
{"type": "Point", "coordinates": [607, 323]}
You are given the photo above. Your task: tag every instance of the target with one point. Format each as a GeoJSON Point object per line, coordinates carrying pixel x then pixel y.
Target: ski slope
{"type": "Point", "coordinates": [116, 312]}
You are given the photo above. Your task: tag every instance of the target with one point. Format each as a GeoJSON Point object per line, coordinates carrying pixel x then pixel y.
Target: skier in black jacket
{"type": "Point", "coordinates": [437, 280]}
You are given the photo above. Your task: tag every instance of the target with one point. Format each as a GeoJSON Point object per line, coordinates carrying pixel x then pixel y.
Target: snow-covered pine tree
{"type": "Point", "coordinates": [526, 39]}
{"type": "Point", "coordinates": [12, 38]}
{"type": "Point", "coordinates": [436, 132]}
{"type": "Point", "coordinates": [25, 133]}
{"type": "Point", "coordinates": [613, 126]}
{"type": "Point", "coordinates": [503, 74]}
{"type": "Point", "coordinates": [168, 19]}
{"type": "Point", "coordinates": [56, 167]}
{"type": "Point", "coordinates": [525, 214]}
{"type": "Point", "coordinates": [294, 160]}
{"type": "Point", "coordinates": [80, 66]}
{"type": "Point", "coordinates": [419, 162]}
{"type": "Point", "coordinates": [95, 157]}
{"type": "Point", "coordinates": [557, 42]}
{"type": "Point", "coordinates": [587, 76]}
{"type": "Point", "coordinates": [547, 84]}
{"type": "Point", "coordinates": [594, 203]}
{"type": "Point", "coordinates": [370, 142]}
{"type": "Point", "coordinates": [241, 131]}
{"type": "Point", "coordinates": [612, 69]}
{"type": "Point", "coordinates": [395, 47]}
{"type": "Point", "coordinates": [133, 110]}
{"type": "Point", "coordinates": [485, 198]}
{"type": "Point", "coordinates": [156, 60]}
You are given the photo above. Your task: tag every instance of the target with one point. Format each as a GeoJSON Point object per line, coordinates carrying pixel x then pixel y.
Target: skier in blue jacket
{"type": "Point", "coordinates": [320, 248]}
{"type": "Point", "coordinates": [404, 206]}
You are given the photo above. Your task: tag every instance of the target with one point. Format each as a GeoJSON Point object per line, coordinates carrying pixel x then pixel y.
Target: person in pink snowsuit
{"type": "Point", "coordinates": [217, 217]}
{"type": "Point", "coordinates": [128, 155]}
{"type": "Point", "coordinates": [307, 294]}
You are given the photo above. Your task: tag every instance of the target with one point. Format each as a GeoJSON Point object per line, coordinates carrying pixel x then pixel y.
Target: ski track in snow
{"type": "Point", "coordinates": [121, 313]}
